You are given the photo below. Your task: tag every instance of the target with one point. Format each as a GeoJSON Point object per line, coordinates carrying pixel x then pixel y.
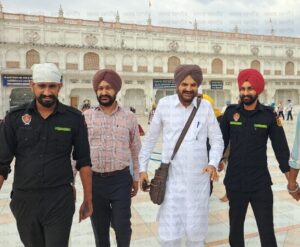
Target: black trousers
{"type": "Point", "coordinates": [289, 115]}
{"type": "Point", "coordinates": [44, 217]}
{"type": "Point", "coordinates": [262, 204]}
{"type": "Point", "coordinates": [280, 114]}
{"type": "Point", "coordinates": [111, 203]}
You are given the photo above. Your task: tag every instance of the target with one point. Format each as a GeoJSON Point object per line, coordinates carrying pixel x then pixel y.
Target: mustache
{"type": "Point", "coordinates": [105, 96]}
{"type": "Point", "coordinates": [111, 100]}
{"type": "Point", "coordinates": [247, 96]}
{"type": "Point", "coordinates": [248, 99]}
{"type": "Point", "coordinates": [42, 96]}
{"type": "Point", "coordinates": [188, 92]}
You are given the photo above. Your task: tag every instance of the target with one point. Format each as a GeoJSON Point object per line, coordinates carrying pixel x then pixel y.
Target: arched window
{"type": "Point", "coordinates": [255, 65]}
{"type": "Point", "coordinates": [127, 64]}
{"type": "Point", "coordinates": [142, 64]}
{"type": "Point", "coordinates": [158, 65]}
{"type": "Point", "coordinates": [52, 57]}
{"type": "Point", "coordinates": [91, 61]}
{"type": "Point", "coordinates": [173, 62]}
{"type": "Point", "coordinates": [217, 66]}
{"type": "Point", "coordinates": [12, 59]}
{"type": "Point", "coordinates": [267, 68]}
{"type": "Point", "coordinates": [289, 68]}
{"type": "Point", "coordinates": [72, 61]}
{"type": "Point", "coordinates": [230, 67]}
{"type": "Point", "coordinates": [110, 62]}
{"type": "Point", "coordinates": [32, 57]}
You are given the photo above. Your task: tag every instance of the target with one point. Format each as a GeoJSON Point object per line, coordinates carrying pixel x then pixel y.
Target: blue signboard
{"type": "Point", "coordinates": [163, 84]}
{"type": "Point", "coordinates": [16, 80]}
{"type": "Point", "coordinates": [216, 85]}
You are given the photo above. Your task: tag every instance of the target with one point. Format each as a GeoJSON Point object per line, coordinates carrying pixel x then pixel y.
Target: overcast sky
{"type": "Point", "coordinates": [251, 16]}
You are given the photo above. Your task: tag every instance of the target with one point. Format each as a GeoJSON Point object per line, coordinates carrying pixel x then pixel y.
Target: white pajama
{"type": "Point", "coordinates": [184, 212]}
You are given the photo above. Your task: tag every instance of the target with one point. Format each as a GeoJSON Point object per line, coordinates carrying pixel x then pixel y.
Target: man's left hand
{"type": "Point", "coordinates": [211, 170]}
{"type": "Point", "coordinates": [86, 210]}
{"type": "Point", "coordinates": [135, 188]}
{"type": "Point", "coordinates": [221, 166]}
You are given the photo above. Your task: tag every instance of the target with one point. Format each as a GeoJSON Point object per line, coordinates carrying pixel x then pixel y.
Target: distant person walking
{"type": "Point", "coordinates": [289, 109]}
{"type": "Point", "coordinates": [280, 110]}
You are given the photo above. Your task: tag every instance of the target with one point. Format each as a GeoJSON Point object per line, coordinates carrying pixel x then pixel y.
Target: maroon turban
{"type": "Point", "coordinates": [109, 76]}
{"type": "Point", "coordinates": [183, 70]}
{"type": "Point", "coordinates": [254, 77]}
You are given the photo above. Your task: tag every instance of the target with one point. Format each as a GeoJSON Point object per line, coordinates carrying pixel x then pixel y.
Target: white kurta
{"type": "Point", "coordinates": [184, 211]}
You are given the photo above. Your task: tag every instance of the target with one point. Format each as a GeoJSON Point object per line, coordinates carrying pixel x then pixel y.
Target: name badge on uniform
{"type": "Point", "coordinates": [26, 119]}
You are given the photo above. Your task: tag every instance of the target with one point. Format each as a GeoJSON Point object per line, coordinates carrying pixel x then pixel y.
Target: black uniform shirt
{"type": "Point", "coordinates": [42, 147]}
{"type": "Point", "coordinates": [248, 132]}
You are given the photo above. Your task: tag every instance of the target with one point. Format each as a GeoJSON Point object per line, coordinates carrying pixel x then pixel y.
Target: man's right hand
{"type": "Point", "coordinates": [1, 181]}
{"type": "Point", "coordinates": [293, 187]}
{"type": "Point", "coordinates": [143, 178]}
{"type": "Point", "coordinates": [86, 210]}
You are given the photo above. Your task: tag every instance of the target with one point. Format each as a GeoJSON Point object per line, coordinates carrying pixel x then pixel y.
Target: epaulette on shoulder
{"type": "Point", "coordinates": [268, 108]}
{"type": "Point", "coordinates": [18, 108]}
{"type": "Point", "coordinates": [73, 110]}
{"type": "Point", "coordinates": [232, 106]}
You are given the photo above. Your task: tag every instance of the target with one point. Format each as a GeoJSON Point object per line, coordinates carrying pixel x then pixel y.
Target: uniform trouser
{"type": "Point", "coordinates": [280, 114]}
{"type": "Point", "coordinates": [111, 204]}
{"type": "Point", "coordinates": [262, 204]}
{"type": "Point", "coordinates": [44, 217]}
{"type": "Point", "coordinates": [177, 243]}
{"type": "Point", "coordinates": [289, 115]}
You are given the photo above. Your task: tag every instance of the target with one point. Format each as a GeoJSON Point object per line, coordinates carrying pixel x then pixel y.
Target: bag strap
{"type": "Point", "coordinates": [186, 128]}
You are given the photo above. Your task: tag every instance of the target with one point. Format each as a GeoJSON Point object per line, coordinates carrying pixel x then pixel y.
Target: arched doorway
{"type": "Point", "coordinates": [136, 99]}
{"type": "Point", "coordinates": [282, 95]}
{"type": "Point", "coordinates": [79, 95]}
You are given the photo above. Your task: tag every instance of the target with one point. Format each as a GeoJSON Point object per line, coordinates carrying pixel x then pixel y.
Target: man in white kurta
{"type": "Point", "coordinates": [293, 186]}
{"type": "Point", "coordinates": [184, 212]}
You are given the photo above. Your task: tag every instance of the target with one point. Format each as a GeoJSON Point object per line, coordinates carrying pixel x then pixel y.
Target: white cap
{"type": "Point", "coordinates": [45, 72]}
{"type": "Point", "coordinates": [200, 91]}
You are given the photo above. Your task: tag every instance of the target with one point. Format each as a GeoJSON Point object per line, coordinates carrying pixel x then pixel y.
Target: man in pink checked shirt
{"type": "Point", "coordinates": [114, 141]}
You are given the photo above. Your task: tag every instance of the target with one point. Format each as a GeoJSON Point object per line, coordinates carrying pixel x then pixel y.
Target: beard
{"type": "Point", "coordinates": [186, 96]}
{"type": "Point", "coordinates": [249, 99]}
{"type": "Point", "coordinates": [106, 100]}
{"type": "Point", "coordinates": [47, 101]}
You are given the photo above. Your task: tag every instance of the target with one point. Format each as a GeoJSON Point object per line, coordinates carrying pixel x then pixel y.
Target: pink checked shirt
{"type": "Point", "coordinates": [114, 140]}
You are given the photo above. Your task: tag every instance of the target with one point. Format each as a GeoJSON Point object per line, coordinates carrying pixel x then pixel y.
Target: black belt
{"type": "Point", "coordinates": [109, 174]}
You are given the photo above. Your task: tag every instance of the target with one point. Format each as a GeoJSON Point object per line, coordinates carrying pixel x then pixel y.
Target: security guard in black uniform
{"type": "Point", "coordinates": [247, 127]}
{"type": "Point", "coordinates": [41, 136]}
